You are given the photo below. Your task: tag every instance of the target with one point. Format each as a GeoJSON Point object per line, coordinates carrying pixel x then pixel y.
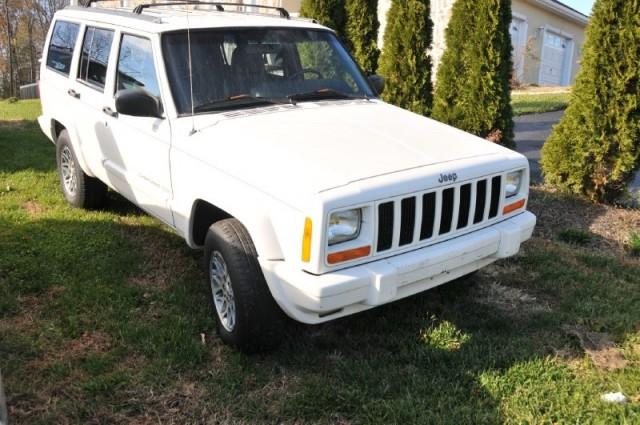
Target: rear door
{"type": "Point", "coordinates": [90, 86]}
{"type": "Point", "coordinates": [137, 148]}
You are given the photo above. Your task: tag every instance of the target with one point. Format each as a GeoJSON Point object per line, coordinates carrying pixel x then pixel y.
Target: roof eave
{"type": "Point", "coordinates": [563, 10]}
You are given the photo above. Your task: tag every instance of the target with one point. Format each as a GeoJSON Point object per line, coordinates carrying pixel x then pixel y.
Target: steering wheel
{"type": "Point", "coordinates": [306, 71]}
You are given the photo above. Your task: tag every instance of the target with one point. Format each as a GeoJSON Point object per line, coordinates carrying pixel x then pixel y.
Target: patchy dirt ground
{"type": "Point", "coordinates": [610, 226]}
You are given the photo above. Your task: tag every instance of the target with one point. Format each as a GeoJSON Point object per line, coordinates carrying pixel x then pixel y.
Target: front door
{"type": "Point", "coordinates": [137, 148]}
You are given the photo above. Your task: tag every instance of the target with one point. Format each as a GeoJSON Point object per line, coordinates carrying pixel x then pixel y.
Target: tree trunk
{"type": "Point", "coordinates": [32, 58]}
{"type": "Point", "coordinates": [12, 89]}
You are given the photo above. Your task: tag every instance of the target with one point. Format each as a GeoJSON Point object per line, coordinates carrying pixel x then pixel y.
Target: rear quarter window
{"type": "Point", "coordinates": [63, 41]}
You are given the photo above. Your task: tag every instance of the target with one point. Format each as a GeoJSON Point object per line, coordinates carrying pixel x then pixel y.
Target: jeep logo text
{"type": "Point", "coordinates": [448, 178]}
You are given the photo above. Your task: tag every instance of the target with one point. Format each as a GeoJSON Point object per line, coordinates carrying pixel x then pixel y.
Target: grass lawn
{"type": "Point", "coordinates": [537, 103]}
{"type": "Point", "coordinates": [104, 319]}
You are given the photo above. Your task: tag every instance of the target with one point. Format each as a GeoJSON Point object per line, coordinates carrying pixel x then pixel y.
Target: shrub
{"type": "Point", "coordinates": [330, 13]}
{"type": "Point", "coordinates": [404, 61]}
{"type": "Point", "coordinates": [472, 89]}
{"type": "Point", "coordinates": [634, 244]}
{"type": "Point", "coordinates": [12, 100]}
{"type": "Point", "coordinates": [362, 32]}
{"type": "Point", "coordinates": [595, 148]}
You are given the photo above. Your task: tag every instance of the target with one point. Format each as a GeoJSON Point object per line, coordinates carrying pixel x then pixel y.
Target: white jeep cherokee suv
{"type": "Point", "coordinates": [257, 137]}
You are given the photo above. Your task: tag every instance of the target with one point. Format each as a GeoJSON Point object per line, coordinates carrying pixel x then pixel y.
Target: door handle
{"type": "Point", "coordinates": [107, 110]}
{"type": "Point", "coordinates": [73, 93]}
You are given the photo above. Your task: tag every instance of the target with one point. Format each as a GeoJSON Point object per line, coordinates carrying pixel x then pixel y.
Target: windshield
{"type": "Point", "coordinates": [238, 68]}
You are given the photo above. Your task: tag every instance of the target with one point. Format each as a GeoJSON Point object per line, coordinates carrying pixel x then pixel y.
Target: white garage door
{"type": "Point", "coordinates": [554, 60]}
{"type": "Point", "coordinates": [518, 31]}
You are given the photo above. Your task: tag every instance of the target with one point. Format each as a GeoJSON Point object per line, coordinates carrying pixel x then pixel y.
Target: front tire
{"type": "Point", "coordinates": [79, 189]}
{"type": "Point", "coordinates": [246, 314]}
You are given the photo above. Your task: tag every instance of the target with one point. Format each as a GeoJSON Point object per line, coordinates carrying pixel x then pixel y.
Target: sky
{"type": "Point", "coordinates": [583, 6]}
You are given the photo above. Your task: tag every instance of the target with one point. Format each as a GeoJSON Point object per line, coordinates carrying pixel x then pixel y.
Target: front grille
{"type": "Point", "coordinates": [385, 226]}
{"type": "Point", "coordinates": [437, 214]}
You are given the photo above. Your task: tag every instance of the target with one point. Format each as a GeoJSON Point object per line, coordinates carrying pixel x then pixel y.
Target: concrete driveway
{"type": "Point", "coordinates": [531, 133]}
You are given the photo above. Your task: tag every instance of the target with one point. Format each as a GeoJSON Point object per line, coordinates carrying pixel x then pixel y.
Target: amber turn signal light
{"type": "Point", "coordinates": [350, 254]}
{"type": "Point", "coordinates": [306, 240]}
{"type": "Point", "coordinates": [513, 207]}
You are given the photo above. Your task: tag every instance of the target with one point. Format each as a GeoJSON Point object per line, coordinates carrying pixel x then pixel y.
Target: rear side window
{"type": "Point", "coordinates": [63, 41]}
{"type": "Point", "coordinates": [135, 65]}
{"type": "Point", "coordinates": [95, 56]}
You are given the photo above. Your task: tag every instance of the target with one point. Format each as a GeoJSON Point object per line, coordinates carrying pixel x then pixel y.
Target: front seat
{"type": "Point", "coordinates": [248, 70]}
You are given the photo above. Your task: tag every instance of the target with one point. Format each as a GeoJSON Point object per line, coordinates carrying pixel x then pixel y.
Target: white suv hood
{"type": "Point", "coordinates": [290, 151]}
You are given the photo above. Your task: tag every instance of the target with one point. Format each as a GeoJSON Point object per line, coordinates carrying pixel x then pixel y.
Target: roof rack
{"type": "Point", "coordinates": [219, 6]}
{"type": "Point", "coordinates": [88, 3]}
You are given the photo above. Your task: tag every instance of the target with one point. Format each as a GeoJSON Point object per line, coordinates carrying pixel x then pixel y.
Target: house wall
{"type": "Point", "coordinates": [538, 22]}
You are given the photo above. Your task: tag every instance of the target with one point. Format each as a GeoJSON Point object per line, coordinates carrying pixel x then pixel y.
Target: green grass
{"type": "Point", "coordinates": [538, 103]}
{"type": "Point", "coordinates": [574, 236]}
{"type": "Point", "coordinates": [101, 316]}
{"type": "Point", "coordinates": [634, 244]}
{"type": "Point", "coordinates": [20, 110]}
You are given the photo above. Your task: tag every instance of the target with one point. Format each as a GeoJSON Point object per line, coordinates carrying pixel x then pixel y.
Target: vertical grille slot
{"type": "Point", "coordinates": [465, 204]}
{"type": "Point", "coordinates": [481, 200]}
{"type": "Point", "coordinates": [447, 210]}
{"type": "Point", "coordinates": [385, 226]}
{"type": "Point", "coordinates": [495, 196]}
{"type": "Point", "coordinates": [428, 215]}
{"type": "Point", "coordinates": [408, 221]}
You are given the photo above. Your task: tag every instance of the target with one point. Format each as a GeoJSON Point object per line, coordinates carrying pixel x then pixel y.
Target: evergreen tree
{"type": "Point", "coordinates": [596, 146]}
{"type": "Point", "coordinates": [330, 13]}
{"type": "Point", "coordinates": [472, 89]}
{"type": "Point", "coordinates": [404, 61]}
{"type": "Point", "coordinates": [362, 32]}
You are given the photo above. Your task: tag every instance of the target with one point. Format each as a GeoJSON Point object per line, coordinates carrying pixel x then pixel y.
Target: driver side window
{"type": "Point", "coordinates": [135, 65]}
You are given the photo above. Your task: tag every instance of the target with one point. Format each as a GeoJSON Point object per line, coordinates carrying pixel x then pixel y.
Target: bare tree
{"type": "Point", "coordinates": [45, 9]}
{"type": "Point", "coordinates": [9, 30]}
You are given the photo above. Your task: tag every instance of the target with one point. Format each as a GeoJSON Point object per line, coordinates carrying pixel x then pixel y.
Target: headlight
{"type": "Point", "coordinates": [344, 226]}
{"type": "Point", "coordinates": [514, 180]}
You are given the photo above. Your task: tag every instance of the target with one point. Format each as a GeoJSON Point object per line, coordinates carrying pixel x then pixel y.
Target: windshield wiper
{"type": "Point", "coordinates": [236, 102]}
{"type": "Point", "coordinates": [321, 94]}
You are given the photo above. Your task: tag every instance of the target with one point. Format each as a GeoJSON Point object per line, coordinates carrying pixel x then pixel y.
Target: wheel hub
{"type": "Point", "coordinates": [68, 170]}
{"type": "Point", "coordinates": [222, 291]}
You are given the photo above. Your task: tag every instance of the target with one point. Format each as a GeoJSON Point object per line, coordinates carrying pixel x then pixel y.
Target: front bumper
{"type": "Point", "coordinates": [313, 299]}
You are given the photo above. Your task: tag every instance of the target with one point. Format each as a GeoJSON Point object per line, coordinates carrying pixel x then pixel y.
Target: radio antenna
{"type": "Point", "coordinates": [193, 119]}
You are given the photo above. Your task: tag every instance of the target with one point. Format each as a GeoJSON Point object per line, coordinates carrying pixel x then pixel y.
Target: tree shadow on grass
{"type": "Point", "coordinates": [438, 357]}
{"type": "Point", "coordinates": [443, 356]}
{"type": "Point", "coordinates": [36, 152]}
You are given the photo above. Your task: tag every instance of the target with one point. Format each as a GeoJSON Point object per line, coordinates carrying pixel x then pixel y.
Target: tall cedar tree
{"type": "Point", "coordinates": [472, 89]}
{"type": "Point", "coordinates": [330, 13]}
{"type": "Point", "coordinates": [596, 146]}
{"type": "Point", "coordinates": [404, 61]}
{"type": "Point", "coordinates": [362, 32]}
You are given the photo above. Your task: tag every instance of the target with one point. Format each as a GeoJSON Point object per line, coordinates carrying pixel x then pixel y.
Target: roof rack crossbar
{"type": "Point", "coordinates": [219, 6]}
{"type": "Point", "coordinates": [88, 3]}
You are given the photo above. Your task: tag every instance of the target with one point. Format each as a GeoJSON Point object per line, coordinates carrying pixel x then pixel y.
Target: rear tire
{"type": "Point", "coordinates": [246, 314]}
{"type": "Point", "coordinates": [79, 189]}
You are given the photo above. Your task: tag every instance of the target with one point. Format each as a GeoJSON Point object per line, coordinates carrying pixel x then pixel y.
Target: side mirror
{"type": "Point", "coordinates": [138, 102]}
{"type": "Point", "coordinates": [377, 82]}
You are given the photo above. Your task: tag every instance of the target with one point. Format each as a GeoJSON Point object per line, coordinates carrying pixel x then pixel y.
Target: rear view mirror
{"type": "Point", "coordinates": [138, 102]}
{"type": "Point", "coordinates": [377, 82]}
